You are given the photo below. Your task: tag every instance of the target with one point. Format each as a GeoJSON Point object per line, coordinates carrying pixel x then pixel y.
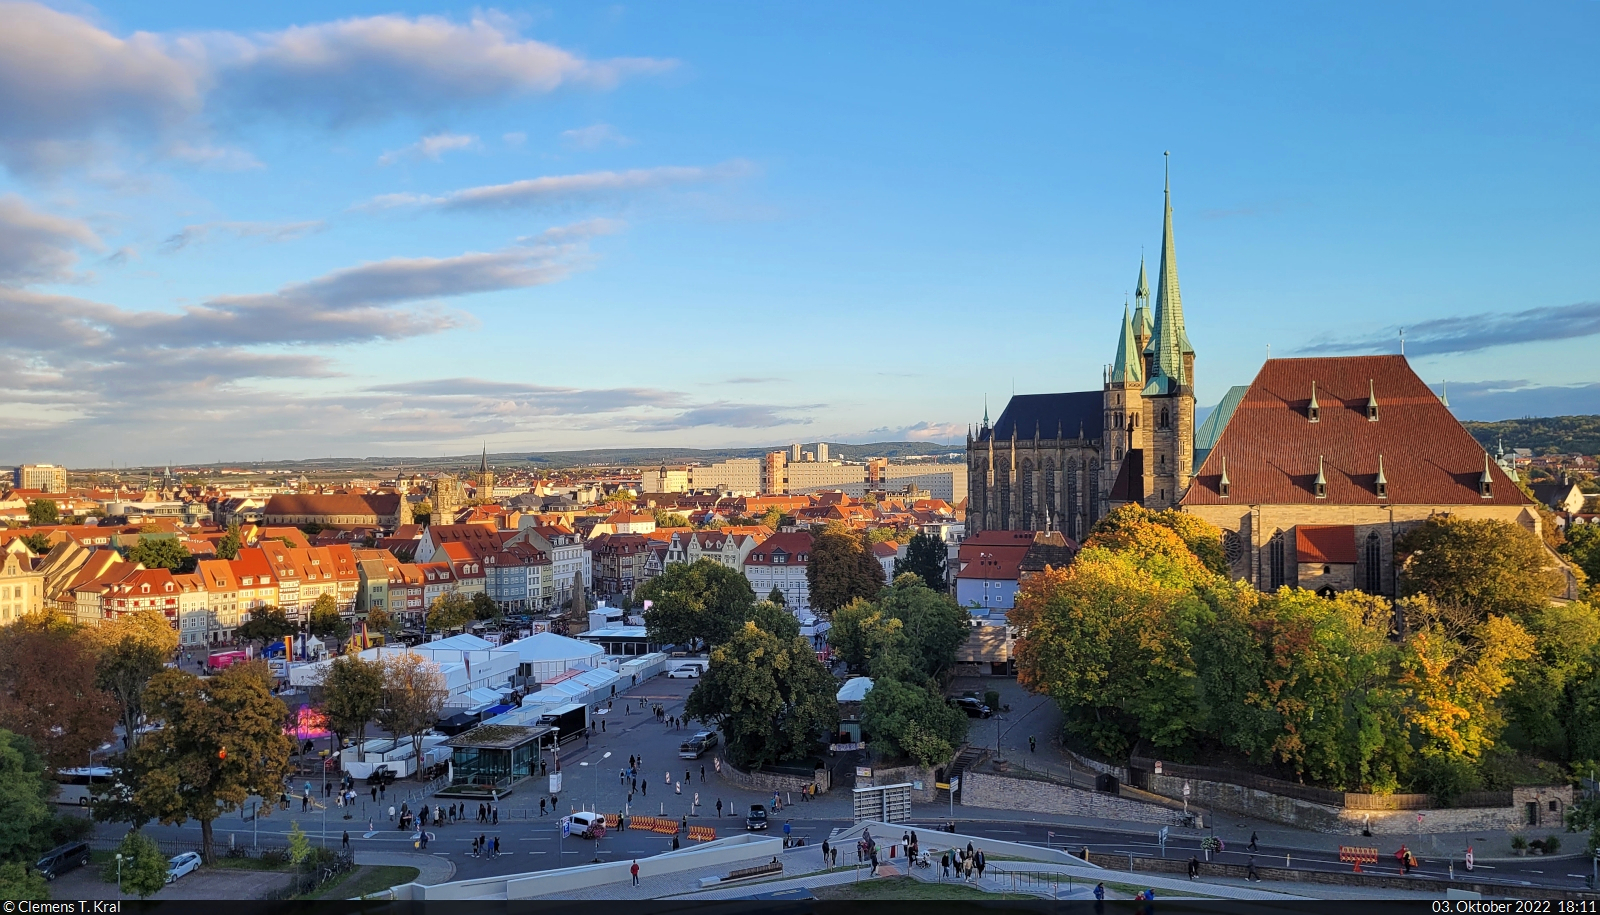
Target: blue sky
{"type": "Point", "coordinates": [237, 232]}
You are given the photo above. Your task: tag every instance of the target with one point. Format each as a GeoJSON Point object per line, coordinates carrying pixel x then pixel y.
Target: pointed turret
{"type": "Point", "coordinates": [1128, 367]}
{"type": "Point", "coordinates": [1170, 342]}
{"type": "Point", "coordinates": [1319, 486]}
{"type": "Point", "coordinates": [1382, 482]}
{"type": "Point", "coordinates": [483, 462]}
{"type": "Point", "coordinates": [1141, 301]}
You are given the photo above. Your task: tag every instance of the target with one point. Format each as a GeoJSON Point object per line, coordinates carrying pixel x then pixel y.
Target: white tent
{"type": "Point", "coordinates": [545, 655]}
{"type": "Point", "coordinates": [855, 689]}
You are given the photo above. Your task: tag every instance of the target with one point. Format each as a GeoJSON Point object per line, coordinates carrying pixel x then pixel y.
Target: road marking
{"type": "Point", "coordinates": [1577, 875]}
{"type": "Point", "coordinates": [1014, 832]}
{"type": "Point", "coordinates": [441, 854]}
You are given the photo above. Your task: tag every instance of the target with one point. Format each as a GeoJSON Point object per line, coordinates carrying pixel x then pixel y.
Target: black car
{"type": "Point", "coordinates": [757, 818]}
{"type": "Point", "coordinates": [973, 707]}
{"type": "Point", "coordinates": [58, 861]}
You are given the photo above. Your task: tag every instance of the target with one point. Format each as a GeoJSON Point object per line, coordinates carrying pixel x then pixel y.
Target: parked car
{"type": "Point", "coordinates": [686, 672]}
{"type": "Point", "coordinates": [63, 858]}
{"type": "Point", "coordinates": [973, 707]}
{"type": "Point", "coordinates": [186, 863]}
{"type": "Point", "coordinates": [586, 825]}
{"type": "Point", "coordinates": [699, 743]}
{"type": "Point", "coordinates": [757, 818]}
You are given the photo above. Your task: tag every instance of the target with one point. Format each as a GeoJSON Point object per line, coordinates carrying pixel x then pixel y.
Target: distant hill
{"type": "Point", "coordinates": [1541, 435]}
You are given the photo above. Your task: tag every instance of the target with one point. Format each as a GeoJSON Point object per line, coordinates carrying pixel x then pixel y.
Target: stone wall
{"type": "Point", "coordinates": [774, 781]}
{"type": "Point", "coordinates": [981, 789]}
{"type": "Point", "coordinates": [1348, 821]}
{"type": "Point", "coordinates": [908, 775]}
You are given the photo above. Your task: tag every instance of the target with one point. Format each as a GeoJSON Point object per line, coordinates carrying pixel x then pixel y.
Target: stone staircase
{"type": "Point", "coordinates": [968, 757]}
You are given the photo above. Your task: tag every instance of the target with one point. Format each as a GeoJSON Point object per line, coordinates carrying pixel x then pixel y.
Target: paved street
{"type": "Point", "coordinates": [591, 780]}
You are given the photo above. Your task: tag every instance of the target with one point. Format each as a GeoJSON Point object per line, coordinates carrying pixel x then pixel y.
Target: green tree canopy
{"type": "Point", "coordinates": [1482, 566]}
{"type": "Point", "coordinates": [352, 691]}
{"type": "Point", "coordinates": [1582, 548]}
{"type": "Point", "coordinates": [43, 511]}
{"type": "Point", "coordinates": [926, 558]}
{"type": "Point", "coordinates": [911, 720]}
{"type": "Point", "coordinates": [772, 699]}
{"type": "Point", "coordinates": [228, 547]}
{"type": "Point", "coordinates": [841, 568]}
{"type": "Point", "coordinates": [21, 883]}
{"type": "Point", "coordinates": [223, 741]}
{"type": "Point", "coordinates": [934, 626]}
{"type": "Point", "coordinates": [484, 608]}
{"type": "Point", "coordinates": [325, 620]}
{"type": "Point", "coordinates": [265, 626]}
{"type": "Point", "coordinates": [775, 596]}
{"type": "Point", "coordinates": [862, 633]}
{"type": "Point", "coordinates": [449, 611]}
{"type": "Point", "coordinates": [703, 601]}
{"type": "Point", "coordinates": [24, 798]}
{"type": "Point", "coordinates": [38, 543]}
{"type": "Point", "coordinates": [133, 648]}
{"type": "Point", "coordinates": [144, 867]}
{"type": "Point", "coordinates": [773, 618]}
{"type": "Point", "coordinates": [161, 553]}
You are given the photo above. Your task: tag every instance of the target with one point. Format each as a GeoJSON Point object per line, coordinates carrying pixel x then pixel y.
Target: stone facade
{"type": "Point", "coordinates": [981, 789]}
{"type": "Point", "coordinates": [1304, 814]}
{"type": "Point", "coordinates": [908, 775]}
{"type": "Point", "coordinates": [774, 781]}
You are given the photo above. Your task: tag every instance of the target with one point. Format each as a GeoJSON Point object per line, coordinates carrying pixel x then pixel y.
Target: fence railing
{"type": "Point", "coordinates": [1348, 799]}
{"type": "Point", "coordinates": [1029, 881]}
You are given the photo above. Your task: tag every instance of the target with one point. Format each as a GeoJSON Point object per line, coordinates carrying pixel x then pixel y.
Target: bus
{"type": "Point", "coordinates": [75, 783]}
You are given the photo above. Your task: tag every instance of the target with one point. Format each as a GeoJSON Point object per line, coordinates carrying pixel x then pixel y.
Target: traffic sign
{"type": "Point", "coordinates": [1185, 789]}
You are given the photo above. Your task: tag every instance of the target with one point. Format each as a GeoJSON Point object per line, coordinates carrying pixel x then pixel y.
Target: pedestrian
{"type": "Point", "coordinates": [634, 870]}
{"type": "Point", "coordinates": [674, 841]}
{"type": "Point", "coordinates": [374, 794]}
{"type": "Point", "coordinates": [345, 843]}
{"type": "Point", "coordinates": [1252, 845]}
{"type": "Point", "coordinates": [424, 839]}
{"type": "Point", "coordinates": [719, 811]}
{"type": "Point", "coordinates": [541, 806]}
{"type": "Point", "coordinates": [1194, 867]}
{"type": "Point", "coordinates": [944, 862]}
{"type": "Point", "coordinates": [496, 815]}
{"type": "Point", "coordinates": [644, 787]}
{"type": "Point", "coordinates": [383, 790]}
{"type": "Point", "coordinates": [305, 802]}
{"type": "Point", "coordinates": [836, 856]}
{"type": "Point", "coordinates": [1033, 745]}
{"type": "Point", "coordinates": [602, 725]}
{"type": "Point", "coordinates": [686, 776]}
{"type": "Point", "coordinates": [702, 773]}
{"type": "Point", "coordinates": [825, 848]}
{"type": "Point", "coordinates": [980, 860]}
{"type": "Point", "coordinates": [1250, 871]}
{"type": "Point", "coordinates": [1100, 892]}
{"type": "Point", "coordinates": [391, 813]}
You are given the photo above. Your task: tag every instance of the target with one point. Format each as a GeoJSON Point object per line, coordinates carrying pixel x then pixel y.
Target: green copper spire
{"type": "Point", "coordinates": [1141, 298]}
{"type": "Point", "coordinates": [1128, 367]}
{"type": "Point", "coordinates": [1170, 343]}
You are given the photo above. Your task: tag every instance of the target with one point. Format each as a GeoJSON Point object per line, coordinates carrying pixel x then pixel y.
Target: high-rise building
{"type": "Point", "coordinates": [822, 451]}
{"type": "Point", "coordinates": [794, 453]}
{"type": "Point", "coordinates": [43, 477]}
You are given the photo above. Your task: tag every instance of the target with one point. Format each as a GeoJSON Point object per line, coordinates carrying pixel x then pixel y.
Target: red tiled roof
{"type": "Point", "coordinates": [1331, 543]}
{"type": "Point", "coordinates": [993, 563]}
{"type": "Point", "coordinates": [796, 545]}
{"type": "Point", "coordinates": [293, 504]}
{"type": "Point", "coordinates": [1272, 448]}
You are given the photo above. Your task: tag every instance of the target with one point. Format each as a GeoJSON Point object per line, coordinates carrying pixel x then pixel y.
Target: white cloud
{"type": "Point", "coordinates": [71, 91]}
{"type": "Point", "coordinates": [557, 189]}
{"type": "Point", "coordinates": [431, 147]}
{"type": "Point", "coordinates": [594, 137]}
{"type": "Point", "coordinates": [217, 158]}
{"type": "Point", "coordinates": [262, 231]}
{"type": "Point", "coordinates": [37, 246]}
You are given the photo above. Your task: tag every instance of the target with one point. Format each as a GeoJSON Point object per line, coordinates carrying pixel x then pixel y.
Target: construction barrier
{"type": "Point", "coordinates": [664, 825]}
{"type": "Point", "coordinates": [1351, 854]}
{"type": "Point", "coordinates": [702, 833]}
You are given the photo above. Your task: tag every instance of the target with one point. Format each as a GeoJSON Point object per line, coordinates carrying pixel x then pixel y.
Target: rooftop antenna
{"type": "Point", "coordinates": [1269, 352]}
{"type": "Point", "coordinates": [1402, 341]}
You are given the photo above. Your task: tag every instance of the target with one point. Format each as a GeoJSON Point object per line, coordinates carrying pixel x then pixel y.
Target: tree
{"type": "Point", "coordinates": [37, 543]}
{"type": "Point", "coordinates": [43, 511]}
{"type": "Point", "coordinates": [223, 741]}
{"type": "Point", "coordinates": [228, 547]}
{"type": "Point", "coordinates": [841, 569]}
{"type": "Point", "coordinates": [862, 632]}
{"type": "Point", "coordinates": [144, 867]}
{"type": "Point", "coordinates": [926, 557]}
{"type": "Point", "coordinates": [265, 626]}
{"type": "Point", "coordinates": [299, 845]}
{"type": "Point", "coordinates": [414, 694]}
{"type": "Point", "coordinates": [352, 691]}
{"type": "Point", "coordinates": [422, 513]}
{"type": "Point", "coordinates": [665, 518]}
{"type": "Point", "coordinates": [133, 648]}
{"type": "Point", "coordinates": [1484, 566]}
{"type": "Point", "coordinates": [902, 719]}
{"type": "Point", "coordinates": [770, 617]}
{"type": "Point", "coordinates": [21, 883]}
{"type": "Point", "coordinates": [450, 610]}
{"type": "Point", "coordinates": [160, 553]}
{"type": "Point", "coordinates": [935, 627]}
{"type": "Point", "coordinates": [24, 798]}
{"type": "Point", "coordinates": [379, 620]}
{"type": "Point", "coordinates": [47, 691]}
{"type": "Point", "coordinates": [1582, 548]}
{"type": "Point", "coordinates": [703, 601]}
{"type": "Point", "coordinates": [771, 698]}
{"type": "Point", "coordinates": [1543, 700]}
{"type": "Point", "coordinates": [484, 608]}
{"type": "Point", "coordinates": [775, 596]}
{"type": "Point", "coordinates": [325, 619]}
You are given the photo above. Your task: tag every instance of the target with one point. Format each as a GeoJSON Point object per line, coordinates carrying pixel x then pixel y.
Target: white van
{"type": "Point", "coordinates": [584, 825]}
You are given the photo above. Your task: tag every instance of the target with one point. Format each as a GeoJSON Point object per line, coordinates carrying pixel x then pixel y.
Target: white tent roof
{"type": "Point", "coordinates": [463, 642]}
{"type": "Point", "coordinates": [547, 646]}
{"type": "Point", "coordinates": [855, 689]}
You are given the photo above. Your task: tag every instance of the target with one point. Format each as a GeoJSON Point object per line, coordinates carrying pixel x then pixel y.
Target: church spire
{"type": "Point", "coordinates": [1128, 366]}
{"type": "Point", "coordinates": [1170, 343]}
{"type": "Point", "coordinates": [483, 463]}
{"type": "Point", "coordinates": [1141, 304]}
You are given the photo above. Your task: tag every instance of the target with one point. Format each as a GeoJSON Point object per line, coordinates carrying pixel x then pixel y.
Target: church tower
{"type": "Point", "coordinates": [1168, 395]}
{"type": "Point", "coordinates": [1123, 424]}
{"type": "Point", "coordinates": [485, 476]}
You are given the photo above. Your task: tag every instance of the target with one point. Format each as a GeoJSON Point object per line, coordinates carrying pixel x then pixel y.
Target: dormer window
{"type": "Point", "coordinates": [1320, 485]}
{"type": "Point", "coordinates": [1485, 481]}
{"type": "Point", "coordinates": [1382, 483]}
{"type": "Point", "coordinates": [1313, 411]}
{"type": "Point", "coordinates": [1223, 484]}
{"type": "Point", "coordinates": [1372, 403]}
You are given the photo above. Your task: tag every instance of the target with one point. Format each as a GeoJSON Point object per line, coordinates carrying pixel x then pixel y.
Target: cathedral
{"type": "Point", "coordinates": [1061, 461]}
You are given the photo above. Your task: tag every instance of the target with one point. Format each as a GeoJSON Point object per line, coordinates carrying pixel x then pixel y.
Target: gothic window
{"type": "Point", "coordinates": [1119, 454]}
{"type": "Point", "coordinates": [1232, 547]}
{"type": "Point", "coordinates": [1093, 497]}
{"type": "Point", "coordinates": [1275, 558]}
{"type": "Point", "coordinates": [1074, 505]}
{"type": "Point", "coordinates": [1050, 503]}
{"type": "Point", "coordinates": [1002, 476]}
{"type": "Point", "coordinates": [1027, 495]}
{"type": "Point", "coordinates": [1165, 418]}
{"type": "Point", "coordinates": [1374, 564]}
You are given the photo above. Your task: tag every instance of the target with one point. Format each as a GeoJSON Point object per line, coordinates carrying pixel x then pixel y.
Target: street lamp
{"type": "Point", "coordinates": [119, 875]}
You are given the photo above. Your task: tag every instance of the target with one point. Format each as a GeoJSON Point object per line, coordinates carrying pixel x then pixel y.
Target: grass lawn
{"type": "Point", "coordinates": [368, 878]}
{"type": "Point", "coordinates": [907, 888]}
{"type": "Point", "coordinates": [248, 864]}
